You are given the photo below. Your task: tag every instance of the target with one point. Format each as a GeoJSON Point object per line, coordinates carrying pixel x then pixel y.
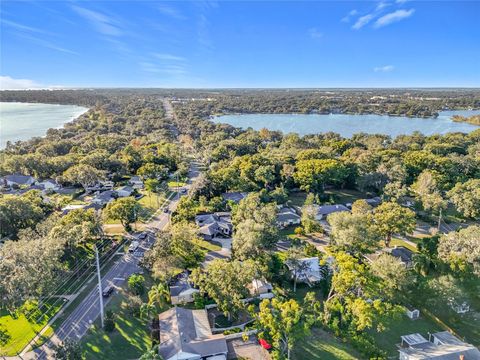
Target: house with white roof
{"type": "Point", "coordinates": [440, 346]}
{"type": "Point", "coordinates": [307, 270]}
{"type": "Point", "coordinates": [186, 335]}
{"type": "Point", "coordinates": [260, 288]}
{"type": "Point", "coordinates": [49, 185]}
{"type": "Point", "coordinates": [125, 191]}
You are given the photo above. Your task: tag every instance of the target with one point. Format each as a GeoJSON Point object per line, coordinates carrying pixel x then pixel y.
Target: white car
{"type": "Point", "coordinates": [133, 246]}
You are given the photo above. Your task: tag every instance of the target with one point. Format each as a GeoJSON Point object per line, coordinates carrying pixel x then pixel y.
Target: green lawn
{"type": "Point", "coordinates": [400, 242]}
{"type": "Point", "coordinates": [129, 340]}
{"type": "Point", "coordinates": [321, 345]}
{"type": "Point", "coordinates": [207, 245]}
{"type": "Point", "coordinates": [21, 331]}
{"type": "Point", "coordinates": [434, 293]}
{"type": "Point", "coordinates": [172, 184]}
{"type": "Point", "coordinates": [150, 203]}
{"type": "Point", "coordinates": [387, 340]}
{"type": "Point", "coordinates": [297, 198]}
{"type": "Point", "coordinates": [344, 196]}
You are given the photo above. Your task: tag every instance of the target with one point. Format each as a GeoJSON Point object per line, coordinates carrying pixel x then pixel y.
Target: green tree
{"type": "Point", "coordinates": [392, 272]}
{"type": "Point", "coordinates": [461, 249]}
{"type": "Point", "coordinates": [151, 354]}
{"type": "Point", "coordinates": [68, 350]}
{"type": "Point", "coordinates": [391, 218]}
{"type": "Point", "coordinates": [361, 207]}
{"type": "Point", "coordinates": [226, 283]}
{"type": "Point", "coordinates": [82, 174]}
{"type": "Point", "coordinates": [159, 295]}
{"type": "Point", "coordinates": [313, 175]}
{"type": "Point", "coordinates": [466, 198]}
{"type": "Point", "coordinates": [136, 284]}
{"type": "Point", "coordinates": [429, 194]}
{"type": "Point", "coordinates": [281, 322]}
{"type": "Point", "coordinates": [354, 232]}
{"type": "Point", "coordinates": [109, 321]}
{"type": "Point", "coordinates": [124, 209]}
{"type": "Point", "coordinates": [18, 212]}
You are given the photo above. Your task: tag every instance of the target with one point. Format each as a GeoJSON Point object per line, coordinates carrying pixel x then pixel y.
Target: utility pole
{"type": "Point", "coordinates": [100, 295]}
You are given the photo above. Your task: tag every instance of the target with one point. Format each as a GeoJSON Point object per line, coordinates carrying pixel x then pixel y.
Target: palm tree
{"type": "Point", "coordinates": [147, 311]}
{"type": "Point", "coordinates": [159, 295]}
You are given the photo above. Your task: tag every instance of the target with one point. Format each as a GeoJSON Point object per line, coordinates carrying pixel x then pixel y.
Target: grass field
{"type": "Point", "coordinates": [321, 345]}
{"type": "Point", "coordinates": [150, 203]}
{"type": "Point", "coordinates": [21, 331]}
{"type": "Point", "coordinates": [387, 340]}
{"type": "Point", "coordinates": [129, 340]}
{"type": "Point", "coordinates": [207, 245]}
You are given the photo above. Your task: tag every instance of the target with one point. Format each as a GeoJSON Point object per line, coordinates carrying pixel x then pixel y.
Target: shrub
{"type": "Point", "coordinates": [136, 284]}
{"type": "Point", "coordinates": [109, 321]}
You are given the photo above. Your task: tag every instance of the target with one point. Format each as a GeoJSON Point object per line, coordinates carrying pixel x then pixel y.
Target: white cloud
{"type": "Point", "coordinates": [101, 22]}
{"type": "Point", "coordinates": [170, 11]}
{"type": "Point", "coordinates": [381, 5]}
{"type": "Point", "coordinates": [346, 18]}
{"type": "Point", "coordinates": [8, 83]}
{"type": "Point", "coordinates": [23, 28]}
{"type": "Point", "coordinates": [315, 33]}
{"type": "Point", "coordinates": [362, 21]}
{"type": "Point", "coordinates": [401, 1]}
{"type": "Point", "coordinates": [169, 57]}
{"type": "Point", "coordinates": [393, 17]}
{"type": "Point", "coordinates": [384, 69]}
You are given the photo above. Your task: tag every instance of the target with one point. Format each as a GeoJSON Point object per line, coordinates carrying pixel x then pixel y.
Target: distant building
{"type": "Point", "coordinates": [49, 185]}
{"type": "Point", "coordinates": [236, 197]}
{"type": "Point", "coordinates": [307, 272]}
{"type": "Point", "coordinates": [104, 197]}
{"type": "Point", "coordinates": [214, 225]}
{"type": "Point", "coordinates": [19, 180]}
{"type": "Point", "coordinates": [125, 191]}
{"type": "Point", "coordinates": [440, 346]}
{"type": "Point", "coordinates": [324, 210]}
{"type": "Point", "coordinates": [181, 292]}
{"type": "Point", "coordinates": [260, 288]}
{"type": "Point", "coordinates": [136, 182]}
{"type": "Point", "coordinates": [287, 217]}
{"type": "Point", "coordinates": [403, 254]}
{"type": "Point", "coordinates": [186, 335]}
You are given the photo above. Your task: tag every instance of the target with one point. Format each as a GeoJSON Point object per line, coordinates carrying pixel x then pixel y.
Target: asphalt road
{"type": "Point", "coordinates": [78, 322]}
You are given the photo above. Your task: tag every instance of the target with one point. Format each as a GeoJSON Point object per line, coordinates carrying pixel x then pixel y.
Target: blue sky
{"type": "Point", "coordinates": [394, 43]}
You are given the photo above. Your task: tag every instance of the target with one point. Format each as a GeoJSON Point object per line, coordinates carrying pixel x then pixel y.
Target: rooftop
{"type": "Point", "coordinates": [188, 331]}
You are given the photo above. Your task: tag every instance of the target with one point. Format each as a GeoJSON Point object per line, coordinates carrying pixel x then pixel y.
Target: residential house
{"type": "Point", "coordinates": [182, 292]}
{"type": "Point", "coordinates": [101, 186]}
{"type": "Point", "coordinates": [234, 196]}
{"type": "Point", "coordinates": [125, 191]}
{"type": "Point", "coordinates": [186, 335]}
{"type": "Point", "coordinates": [104, 197]}
{"type": "Point", "coordinates": [403, 254]}
{"type": "Point", "coordinates": [324, 210]}
{"type": "Point", "coordinates": [49, 185]}
{"type": "Point", "coordinates": [307, 271]}
{"type": "Point", "coordinates": [260, 288]}
{"type": "Point", "coordinates": [19, 180]}
{"type": "Point", "coordinates": [441, 346]}
{"type": "Point", "coordinates": [287, 217]}
{"type": "Point", "coordinates": [136, 182]}
{"type": "Point", "coordinates": [214, 225]}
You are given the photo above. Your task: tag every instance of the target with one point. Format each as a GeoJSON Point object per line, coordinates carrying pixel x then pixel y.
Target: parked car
{"type": "Point", "coordinates": [133, 246]}
{"type": "Point", "coordinates": [107, 291]}
{"type": "Point", "coordinates": [166, 210]}
{"type": "Point", "coordinates": [143, 235]}
{"type": "Point", "coordinates": [183, 191]}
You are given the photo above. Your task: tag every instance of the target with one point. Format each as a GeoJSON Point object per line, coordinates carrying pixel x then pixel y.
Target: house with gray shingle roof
{"type": "Point", "coordinates": [287, 216]}
{"type": "Point", "coordinates": [234, 196]}
{"type": "Point", "coordinates": [213, 225]}
{"type": "Point", "coordinates": [19, 180]}
{"type": "Point", "coordinates": [440, 346]}
{"type": "Point", "coordinates": [185, 334]}
{"type": "Point", "coordinates": [324, 210]}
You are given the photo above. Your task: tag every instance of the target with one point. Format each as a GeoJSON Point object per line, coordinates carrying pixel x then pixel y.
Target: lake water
{"type": "Point", "coordinates": [21, 121]}
{"type": "Point", "coordinates": [347, 125]}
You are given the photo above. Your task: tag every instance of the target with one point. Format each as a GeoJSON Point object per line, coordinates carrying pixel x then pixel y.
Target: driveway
{"type": "Point", "coordinates": [224, 253]}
